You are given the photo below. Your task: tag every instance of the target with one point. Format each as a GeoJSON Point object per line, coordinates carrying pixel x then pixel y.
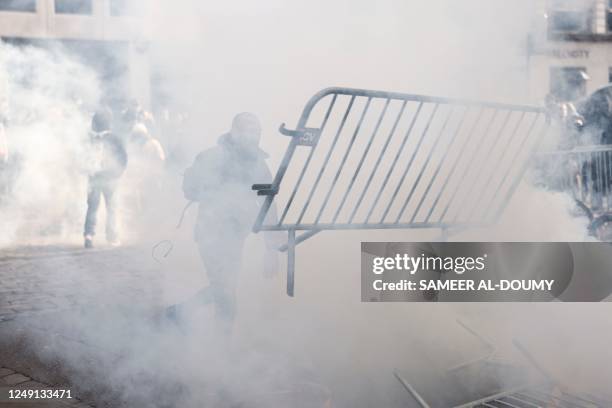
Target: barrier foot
{"type": "Point", "coordinates": [290, 262]}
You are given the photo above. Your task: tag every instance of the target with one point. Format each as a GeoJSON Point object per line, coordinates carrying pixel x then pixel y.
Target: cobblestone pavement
{"type": "Point", "coordinates": [42, 290]}
{"type": "Point", "coordinates": [90, 320]}
{"type": "Point", "coordinates": [52, 278]}
{"type": "Point", "coordinates": [12, 380]}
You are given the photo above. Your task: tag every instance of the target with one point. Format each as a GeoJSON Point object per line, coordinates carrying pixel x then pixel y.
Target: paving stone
{"type": "Point", "coordinates": [14, 379]}
{"type": "Point", "coordinates": [5, 371]}
{"type": "Point", "coordinates": [35, 280]}
{"type": "Point", "coordinates": [33, 384]}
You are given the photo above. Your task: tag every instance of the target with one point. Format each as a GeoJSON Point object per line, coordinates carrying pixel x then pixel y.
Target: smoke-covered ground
{"type": "Point", "coordinates": [104, 333]}
{"type": "Point", "coordinates": [219, 59]}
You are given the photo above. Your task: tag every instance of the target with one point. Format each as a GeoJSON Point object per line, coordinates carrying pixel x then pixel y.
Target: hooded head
{"type": "Point", "coordinates": [246, 130]}
{"type": "Point", "coordinates": [102, 120]}
{"type": "Point", "coordinates": [132, 111]}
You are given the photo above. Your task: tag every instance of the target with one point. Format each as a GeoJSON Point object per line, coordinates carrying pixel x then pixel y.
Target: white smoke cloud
{"type": "Point", "coordinates": [221, 58]}
{"type": "Point", "coordinates": [50, 97]}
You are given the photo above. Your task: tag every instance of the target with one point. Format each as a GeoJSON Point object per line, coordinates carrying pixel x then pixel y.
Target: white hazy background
{"type": "Point", "coordinates": [269, 57]}
{"type": "Point", "coordinates": [50, 97]}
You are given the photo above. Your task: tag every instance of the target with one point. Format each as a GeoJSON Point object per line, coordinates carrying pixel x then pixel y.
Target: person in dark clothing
{"type": "Point", "coordinates": [597, 113]}
{"type": "Point", "coordinates": [220, 181]}
{"type": "Point", "coordinates": [108, 160]}
{"type": "Point", "coordinates": [596, 175]}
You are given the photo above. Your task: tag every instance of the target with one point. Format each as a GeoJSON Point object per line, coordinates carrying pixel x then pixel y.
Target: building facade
{"type": "Point", "coordinates": [569, 49]}
{"type": "Point", "coordinates": [107, 35]}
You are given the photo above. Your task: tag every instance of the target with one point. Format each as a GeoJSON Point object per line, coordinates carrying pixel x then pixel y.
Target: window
{"type": "Point", "coordinates": [568, 22]}
{"type": "Point", "coordinates": [570, 16]}
{"type": "Point", "coordinates": [18, 5]}
{"type": "Point", "coordinates": [73, 6]}
{"type": "Point", "coordinates": [609, 16]}
{"type": "Point", "coordinates": [568, 83]}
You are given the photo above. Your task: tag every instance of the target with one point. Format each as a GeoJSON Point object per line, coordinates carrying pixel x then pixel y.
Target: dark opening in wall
{"type": "Point", "coordinates": [570, 16]}
{"type": "Point", "coordinates": [18, 5]}
{"type": "Point", "coordinates": [609, 17]}
{"type": "Point", "coordinates": [568, 83]}
{"type": "Point", "coordinates": [73, 6]}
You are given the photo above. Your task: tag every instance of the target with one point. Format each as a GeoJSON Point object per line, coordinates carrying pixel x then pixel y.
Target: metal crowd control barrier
{"type": "Point", "coordinates": [362, 159]}
{"type": "Point", "coordinates": [536, 397]}
{"type": "Point", "coordinates": [585, 172]}
{"type": "Point", "coordinates": [522, 397]}
{"type": "Point", "coordinates": [518, 390]}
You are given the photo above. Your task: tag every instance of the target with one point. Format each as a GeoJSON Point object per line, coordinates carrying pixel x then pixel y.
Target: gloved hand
{"type": "Point", "coordinates": [271, 264]}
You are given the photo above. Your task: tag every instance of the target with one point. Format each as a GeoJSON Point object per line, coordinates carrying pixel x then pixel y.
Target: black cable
{"type": "Point", "coordinates": [167, 241]}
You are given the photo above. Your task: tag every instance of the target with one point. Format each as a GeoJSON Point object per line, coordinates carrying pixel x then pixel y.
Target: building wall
{"type": "Point", "coordinates": [45, 24]}
{"type": "Point", "coordinates": [591, 49]}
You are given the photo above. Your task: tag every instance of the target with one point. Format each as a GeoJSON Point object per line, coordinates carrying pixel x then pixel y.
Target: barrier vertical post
{"type": "Point", "coordinates": [290, 261]}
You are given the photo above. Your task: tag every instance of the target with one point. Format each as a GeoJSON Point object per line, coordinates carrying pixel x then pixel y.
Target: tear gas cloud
{"type": "Point", "coordinates": [50, 99]}
{"type": "Point", "coordinates": [220, 58]}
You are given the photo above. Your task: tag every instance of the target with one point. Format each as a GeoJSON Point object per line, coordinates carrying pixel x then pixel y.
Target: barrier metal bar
{"type": "Point", "coordinates": [597, 181]}
{"type": "Point", "coordinates": [491, 349]}
{"type": "Point", "coordinates": [469, 166]}
{"type": "Point", "coordinates": [329, 153]}
{"type": "Point", "coordinates": [524, 400]}
{"type": "Point", "coordinates": [600, 160]}
{"type": "Point", "coordinates": [301, 238]}
{"type": "Point", "coordinates": [606, 160]}
{"type": "Point", "coordinates": [480, 169]}
{"type": "Point", "coordinates": [550, 399]}
{"type": "Point", "coordinates": [378, 161]}
{"type": "Point", "coordinates": [604, 169]}
{"type": "Point", "coordinates": [355, 93]}
{"type": "Point", "coordinates": [307, 163]}
{"type": "Point", "coordinates": [585, 175]}
{"type": "Point", "coordinates": [344, 227]}
{"type": "Point", "coordinates": [567, 402]}
{"type": "Point", "coordinates": [412, 97]}
{"type": "Point", "coordinates": [395, 159]}
{"type": "Point", "coordinates": [523, 397]}
{"type": "Point", "coordinates": [343, 162]}
{"type": "Point", "coordinates": [541, 401]}
{"type": "Point", "coordinates": [409, 165]}
{"type": "Point", "coordinates": [423, 167]}
{"type": "Point", "coordinates": [280, 174]}
{"type": "Point", "coordinates": [363, 157]}
{"type": "Point", "coordinates": [503, 404]}
{"type": "Point", "coordinates": [582, 179]}
{"type": "Point", "coordinates": [454, 165]}
{"type": "Point", "coordinates": [507, 173]}
{"type": "Point", "coordinates": [417, 397]}
{"type": "Point", "coordinates": [438, 135]}
{"type": "Point", "coordinates": [577, 150]}
{"type": "Point", "coordinates": [503, 151]}
{"type": "Point", "coordinates": [291, 262]}
{"type": "Point", "coordinates": [440, 164]}
{"type": "Point", "coordinates": [490, 398]}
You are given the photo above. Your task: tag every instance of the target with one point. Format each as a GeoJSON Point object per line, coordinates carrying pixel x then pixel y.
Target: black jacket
{"type": "Point", "coordinates": [220, 182]}
{"type": "Point", "coordinates": [108, 156]}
